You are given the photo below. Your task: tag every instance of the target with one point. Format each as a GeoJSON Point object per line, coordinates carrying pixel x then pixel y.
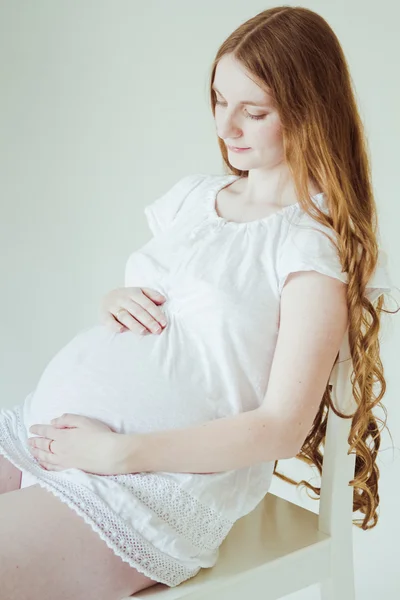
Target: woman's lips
{"type": "Point", "coordinates": [235, 149]}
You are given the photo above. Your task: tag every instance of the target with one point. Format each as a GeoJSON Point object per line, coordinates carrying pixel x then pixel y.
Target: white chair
{"type": "Point", "coordinates": [280, 547]}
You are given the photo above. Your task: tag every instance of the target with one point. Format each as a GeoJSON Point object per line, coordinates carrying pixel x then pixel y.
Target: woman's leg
{"type": "Point", "coordinates": [10, 476]}
{"type": "Point", "coordinates": [47, 551]}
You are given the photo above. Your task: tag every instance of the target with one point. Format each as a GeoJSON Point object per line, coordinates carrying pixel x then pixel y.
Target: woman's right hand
{"type": "Point", "coordinates": [140, 307]}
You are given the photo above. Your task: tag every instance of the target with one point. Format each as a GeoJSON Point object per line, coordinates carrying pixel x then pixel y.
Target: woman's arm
{"type": "Point", "coordinates": [214, 446]}
{"type": "Point", "coordinates": [313, 321]}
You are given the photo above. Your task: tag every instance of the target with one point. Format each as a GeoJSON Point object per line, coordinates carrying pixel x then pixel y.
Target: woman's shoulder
{"type": "Point", "coordinates": [180, 196]}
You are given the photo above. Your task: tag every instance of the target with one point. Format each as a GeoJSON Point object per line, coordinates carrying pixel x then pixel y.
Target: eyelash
{"type": "Point", "coordinates": [256, 117]}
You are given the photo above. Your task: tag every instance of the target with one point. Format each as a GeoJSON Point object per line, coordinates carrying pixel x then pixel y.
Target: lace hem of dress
{"type": "Point", "coordinates": [199, 525]}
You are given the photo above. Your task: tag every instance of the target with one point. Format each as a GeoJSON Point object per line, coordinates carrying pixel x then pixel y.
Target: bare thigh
{"type": "Point", "coordinates": [47, 551]}
{"type": "Point", "coordinates": [10, 476]}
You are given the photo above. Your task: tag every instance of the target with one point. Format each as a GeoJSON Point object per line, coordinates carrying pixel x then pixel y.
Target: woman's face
{"type": "Point", "coordinates": [241, 124]}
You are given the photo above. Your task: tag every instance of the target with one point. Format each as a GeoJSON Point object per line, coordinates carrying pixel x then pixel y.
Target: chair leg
{"type": "Point", "coordinates": [341, 585]}
{"type": "Point", "coordinates": [337, 589]}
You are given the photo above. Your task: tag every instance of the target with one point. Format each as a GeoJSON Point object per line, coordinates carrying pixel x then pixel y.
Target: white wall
{"type": "Point", "coordinates": [103, 106]}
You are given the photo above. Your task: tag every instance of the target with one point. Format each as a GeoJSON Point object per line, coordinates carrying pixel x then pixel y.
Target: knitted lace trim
{"type": "Point", "coordinates": [198, 524]}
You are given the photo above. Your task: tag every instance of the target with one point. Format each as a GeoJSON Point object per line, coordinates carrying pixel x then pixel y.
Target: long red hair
{"type": "Point", "coordinates": [293, 53]}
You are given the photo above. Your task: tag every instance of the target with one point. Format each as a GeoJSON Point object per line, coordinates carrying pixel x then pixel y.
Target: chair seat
{"type": "Point", "coordinates": [259, 546]}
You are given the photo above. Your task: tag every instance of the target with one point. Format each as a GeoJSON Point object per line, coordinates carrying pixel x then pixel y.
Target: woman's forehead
{"type": "Point", "coordinates": [231, 80]}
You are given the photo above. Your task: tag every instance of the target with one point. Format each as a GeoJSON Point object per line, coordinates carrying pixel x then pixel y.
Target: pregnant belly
{"type": "Point", "coordinates": [132, 383]}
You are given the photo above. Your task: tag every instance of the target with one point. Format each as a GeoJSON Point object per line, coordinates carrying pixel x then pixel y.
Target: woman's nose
{"type": "Point", "coordinates": [226, 128]}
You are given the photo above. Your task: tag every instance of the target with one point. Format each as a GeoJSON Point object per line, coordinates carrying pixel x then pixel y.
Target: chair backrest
{"type": "Point", "coordinates": [336, 498]}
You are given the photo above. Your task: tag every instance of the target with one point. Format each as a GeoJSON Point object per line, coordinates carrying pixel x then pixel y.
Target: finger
{"type": "Point", "coordinates": [40, 450]}
{"type": "Point", "coordinates": [42, 455]}
{"type": "Point", "coordinates": [153, 295]}
{"type": "Point", "coordinates": [39, 444]}
{"type": "Point", "coordinates": [126, 320]}
{"type": "Point", "coordinates": [69, 420]}
{"type": "Point", "coordinates": [49, 466]}
{"type": "Point", "coordinates": [146, 313]}
{"type": "Point", "coordinates": [148, 302]}
{"type": "Point", "coordinates": [109, 320]}
{"type": "Point", "coordinates": [47, 431]}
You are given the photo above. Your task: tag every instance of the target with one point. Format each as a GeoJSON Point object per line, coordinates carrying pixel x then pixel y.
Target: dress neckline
{"type": "Point", "coordinates": [225, 182]}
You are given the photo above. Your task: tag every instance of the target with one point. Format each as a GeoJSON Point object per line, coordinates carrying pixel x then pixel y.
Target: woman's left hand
{"type": "Point", "coordinates": [80, 443]}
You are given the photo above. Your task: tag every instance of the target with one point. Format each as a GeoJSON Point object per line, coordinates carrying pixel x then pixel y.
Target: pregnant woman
{"type": "Point", "coordinates": [161, 441]}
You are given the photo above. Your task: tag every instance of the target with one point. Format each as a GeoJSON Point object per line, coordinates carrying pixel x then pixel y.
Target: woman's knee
{"type": "Point", "coordinates": [10, 476]}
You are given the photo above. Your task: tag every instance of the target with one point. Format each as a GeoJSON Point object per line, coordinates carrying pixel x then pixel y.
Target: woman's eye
{"type": "Point", "coordinates": [256, 117]}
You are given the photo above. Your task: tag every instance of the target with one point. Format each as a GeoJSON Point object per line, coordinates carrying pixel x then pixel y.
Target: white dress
{"type": "Point", "coordinates": [222, 281]}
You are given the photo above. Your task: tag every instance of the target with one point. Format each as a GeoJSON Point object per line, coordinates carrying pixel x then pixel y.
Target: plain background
{"type": "Point", "coordinates": [104, 105]}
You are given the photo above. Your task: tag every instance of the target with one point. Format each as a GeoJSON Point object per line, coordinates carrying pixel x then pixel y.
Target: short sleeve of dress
{"type": "Point", "coordinates": [161, 212]}
{"type": "Point", "coordinates": [312, 248]}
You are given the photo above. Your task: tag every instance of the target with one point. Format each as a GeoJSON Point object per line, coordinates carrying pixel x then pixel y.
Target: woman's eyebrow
{"type": "Point", "coordinates": [251, 102]}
